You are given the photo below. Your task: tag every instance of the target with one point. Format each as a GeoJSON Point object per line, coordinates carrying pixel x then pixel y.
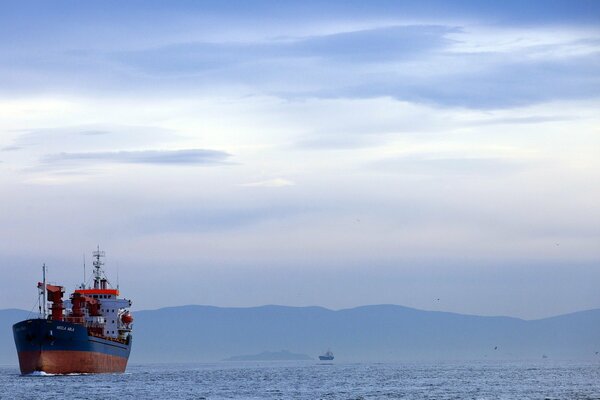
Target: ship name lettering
{"type": "Point", "coordinates": [64, 328]}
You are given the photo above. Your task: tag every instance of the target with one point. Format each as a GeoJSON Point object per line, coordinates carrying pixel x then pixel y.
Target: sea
{"type": "Point", "coordinates": [544, 379]}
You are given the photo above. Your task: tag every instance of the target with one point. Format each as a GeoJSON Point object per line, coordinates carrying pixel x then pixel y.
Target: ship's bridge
{"type": "Point", "coordinates": [94, 293]}
{"type": "Point", "coordinates": [111, 308]}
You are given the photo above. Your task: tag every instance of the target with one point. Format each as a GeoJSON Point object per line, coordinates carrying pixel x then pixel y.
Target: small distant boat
{"type": "Point", "coordinates": [328, 356]}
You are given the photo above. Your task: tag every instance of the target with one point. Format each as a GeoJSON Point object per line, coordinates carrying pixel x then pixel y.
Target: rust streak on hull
{"type": "Point", "coordinates": [70, 362]}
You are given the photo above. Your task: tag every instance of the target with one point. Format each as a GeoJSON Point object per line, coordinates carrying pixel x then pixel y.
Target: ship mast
{"type": "Point", "coordinates": [83, 283]}
{"type": "Point", "coordinates": [44, 305]}
{"type": "Point", "coordinates": [99, 283]}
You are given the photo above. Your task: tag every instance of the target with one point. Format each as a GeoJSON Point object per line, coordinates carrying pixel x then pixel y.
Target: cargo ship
{"type": "Point", "coordinates": [88, 333]}
{"type": "Point", "coordinates": [328, 356]}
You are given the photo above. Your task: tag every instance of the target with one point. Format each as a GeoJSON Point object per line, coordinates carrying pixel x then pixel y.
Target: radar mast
{"type": "Point", "coordinates": [99, 280]}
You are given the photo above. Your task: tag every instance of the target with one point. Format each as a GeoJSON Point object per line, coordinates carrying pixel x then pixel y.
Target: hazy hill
{"type": "Point", "coordinates": [8, 353]}
{"type": "Point", "coordinates": [381, 332]}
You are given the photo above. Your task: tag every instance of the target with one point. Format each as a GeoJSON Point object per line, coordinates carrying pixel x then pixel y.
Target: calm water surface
{"type": "Point", "coordinates": [313, 380]}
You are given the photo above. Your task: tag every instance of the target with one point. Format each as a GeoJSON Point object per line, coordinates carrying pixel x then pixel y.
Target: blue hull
{"type": "Point", "coordinates": [64, 347]}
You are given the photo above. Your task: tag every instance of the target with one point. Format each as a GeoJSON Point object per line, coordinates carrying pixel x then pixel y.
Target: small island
{"type": "Point", "coordinates": [283, 355]}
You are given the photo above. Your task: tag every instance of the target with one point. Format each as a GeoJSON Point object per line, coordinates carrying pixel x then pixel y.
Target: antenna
{"type": "Point", "coordinates": [97, 263]}
{"type": "Point", "coordinates": [44, 305]}
{"type": "Point", "coordinates": [83, 284]}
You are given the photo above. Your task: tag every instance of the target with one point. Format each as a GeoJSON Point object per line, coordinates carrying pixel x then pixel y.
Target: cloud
{"type": "Point", "coordinates": [217, 218]}
{"type": "Point", "coordinates": [445, 63]}
{"type": "Point", "coordinates": [94, 132]}
{"type": "Point", "coordinates": [480, 81]}
{"type": "Point", "coordinates": [416, 63]}
{"type": "Point", "coordinates": [10, 148]}
{"type": "Point", "coordinates": [528, 120]}
{"type": "Point", "coordinates": [165, 157]}
{"type": "Point", "coordinates": [390, 43]}
{"type": "Point", "coordinates": [84, 138]}
{"type": "Point", "coordinates": [277, 182]}
{"type": "Point", "coordinates": [444, 165]}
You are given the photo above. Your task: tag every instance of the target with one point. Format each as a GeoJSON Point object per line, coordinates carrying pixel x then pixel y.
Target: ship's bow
{"type": "Point", "coordinates": [29, 338]}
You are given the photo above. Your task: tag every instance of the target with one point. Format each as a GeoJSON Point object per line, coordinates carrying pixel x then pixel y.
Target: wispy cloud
{"type": "Point", "coordinates": [391, 43]}
{"type": "Point", "coordinates": [435, 64]}
{"type": "Point", "coordinates": [277, 182]}
{"type": "Point", "coordinates": [99, 137]}
{"type": "Point", "coordinates": [92, 132]}
{"type": "Point", "coordinates": [165, 157]}
{"type": "Point", "coordinates": [528, 120]}
{"type": "Point", "coordinates": [194, 219]}
{"type": "Point", "coordinates": [10, 148]}
{"type": "Point", "coordinates": [449, 165]}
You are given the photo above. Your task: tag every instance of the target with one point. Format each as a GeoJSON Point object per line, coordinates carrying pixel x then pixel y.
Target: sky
{"type": "Point", "coordinates": [433, 154]}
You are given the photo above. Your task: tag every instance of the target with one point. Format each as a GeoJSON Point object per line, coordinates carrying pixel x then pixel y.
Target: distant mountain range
{"type": "Point", "coordinates": [369, 333]}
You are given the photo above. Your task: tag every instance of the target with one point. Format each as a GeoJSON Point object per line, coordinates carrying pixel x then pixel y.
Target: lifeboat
{"type": "Point", "coordinates": [127, 318]}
